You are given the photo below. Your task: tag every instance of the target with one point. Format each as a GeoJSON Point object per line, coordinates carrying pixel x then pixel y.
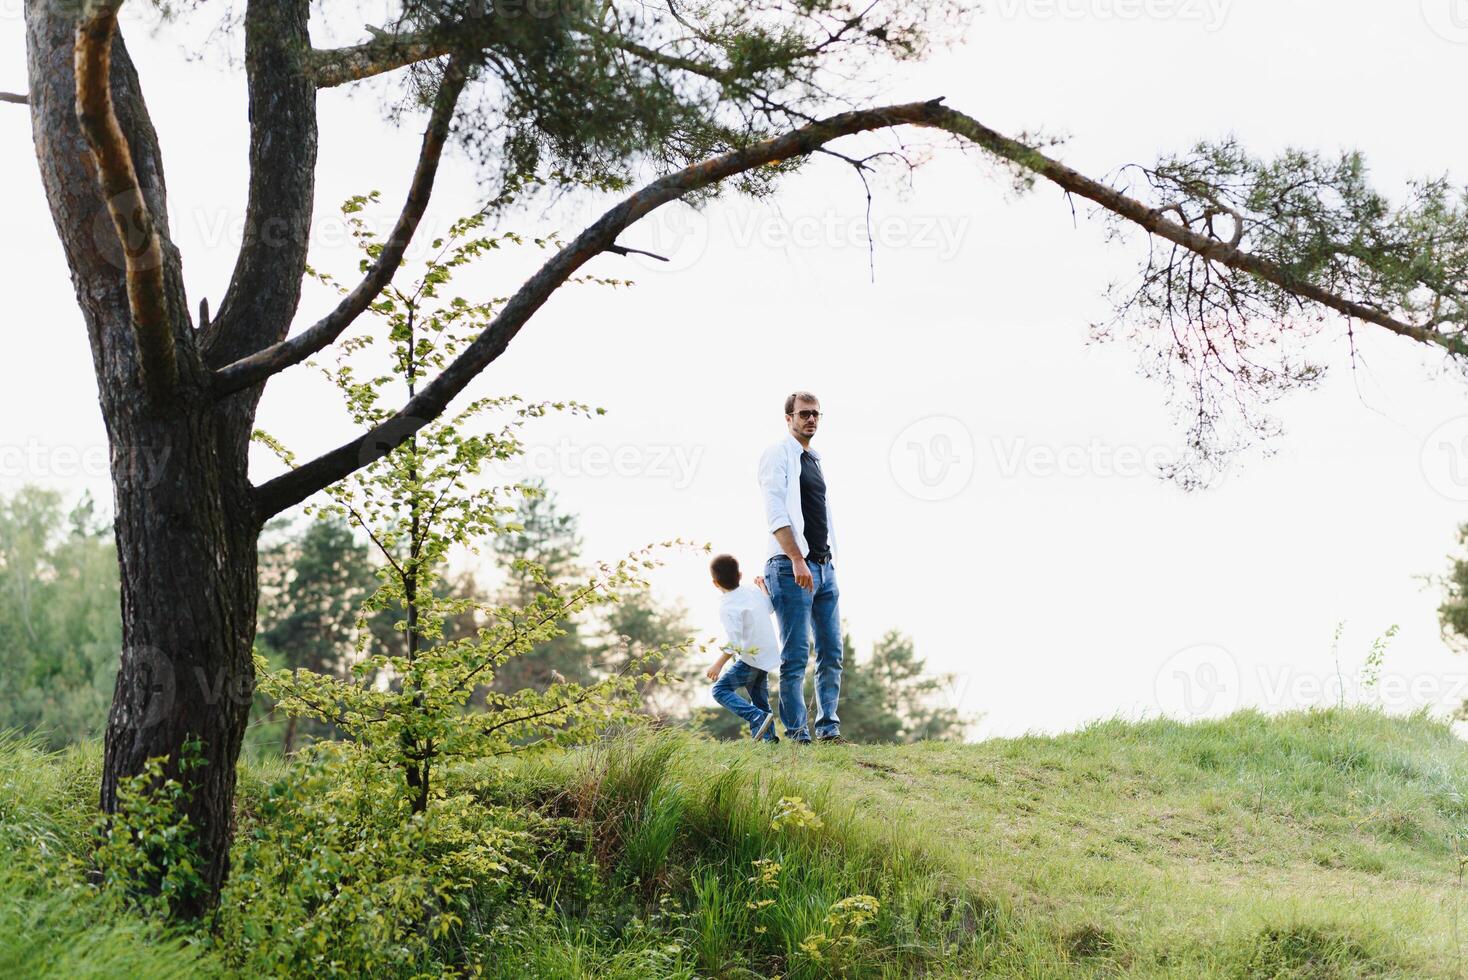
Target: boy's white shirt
{"type": "Point", "coordinates": [779, 483]}
{"type": "Point", "coordinates": [746, 613]}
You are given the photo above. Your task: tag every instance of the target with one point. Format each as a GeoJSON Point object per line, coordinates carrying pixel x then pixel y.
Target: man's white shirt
{"type": "Point", "coordinates": [779, 482]}
{"type": "Point", "coordinates": [746, 613]}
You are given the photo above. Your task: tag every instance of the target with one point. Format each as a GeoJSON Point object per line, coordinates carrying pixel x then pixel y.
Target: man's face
{"type": "Point", "coordinates": [805, 419]}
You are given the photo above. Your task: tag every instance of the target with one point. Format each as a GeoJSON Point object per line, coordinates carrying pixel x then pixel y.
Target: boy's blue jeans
{"type": "Point", "coordinates": [800, 614]}
{"type": "Point", "coordinates": [756, 682]}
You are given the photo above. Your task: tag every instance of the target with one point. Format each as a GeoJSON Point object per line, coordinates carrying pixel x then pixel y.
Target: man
{"type": "Point", "coordinates": [800, 573]}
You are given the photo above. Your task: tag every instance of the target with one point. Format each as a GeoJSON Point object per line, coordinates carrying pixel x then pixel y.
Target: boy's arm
{"type": "Point", "coordinates": [734, 630]}
{"type": "Point", "coordinates": [718, 667]}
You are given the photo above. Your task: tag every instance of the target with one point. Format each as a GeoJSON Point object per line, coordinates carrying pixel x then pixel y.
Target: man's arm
{"type": "Point", "coordinates": [786, 537]}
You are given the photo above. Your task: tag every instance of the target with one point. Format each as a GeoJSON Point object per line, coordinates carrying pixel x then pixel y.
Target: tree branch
{"type": "Point", "coordinates": [265, 285]}
{"type": "Point", "coordinates": [329, 67]}
{"type": "Point", "coordinates": [17, 98]}
{"type": "Point", "coordinates": [1206, 246]}
{"type": "Point", "coordinates": [388, 52]}
{"type": "Point", "coordinates": [255, 368]}
{"type": "Point", "coordinates": [142, 248]}
{"type": "Point", "coordinates": [625, 250]}
{"type": "Point", "coordinates": [291, 488]}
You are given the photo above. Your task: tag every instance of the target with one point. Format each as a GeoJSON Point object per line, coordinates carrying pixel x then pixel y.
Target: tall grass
{"type": "Point", "coordinates": [51, 924]}
{"type": "Point", "coordinates": [670, 821]}
{"type": "Point", "coordinates": [1320, 845]}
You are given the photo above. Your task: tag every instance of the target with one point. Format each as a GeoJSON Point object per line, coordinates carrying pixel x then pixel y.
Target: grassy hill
{"type": "Point", "coordinates": [1310, 845]}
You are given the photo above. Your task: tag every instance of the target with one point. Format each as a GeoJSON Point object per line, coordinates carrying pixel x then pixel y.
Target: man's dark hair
{"type": "Point", "coordinates": [726, 571]}
{"type": "Point", "coordinates": [803, 396]}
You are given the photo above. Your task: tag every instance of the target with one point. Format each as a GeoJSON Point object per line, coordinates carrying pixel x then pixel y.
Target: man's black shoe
{"type": "Point", "coordinates": [831, 740]}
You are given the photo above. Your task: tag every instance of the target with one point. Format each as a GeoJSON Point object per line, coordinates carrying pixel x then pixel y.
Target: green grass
{"type": "Point", "coordinates": [1318, 844]}
{"type": "Point", "coordinates": [1323, 844]}
{"type": "Point", "coordinates": [52, 925]}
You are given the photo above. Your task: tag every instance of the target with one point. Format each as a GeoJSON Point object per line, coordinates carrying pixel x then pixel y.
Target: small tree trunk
{"type": "Point", "coordinates": [288, 744]}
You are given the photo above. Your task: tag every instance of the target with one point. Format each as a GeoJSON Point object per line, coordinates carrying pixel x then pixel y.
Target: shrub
{"type": "Point", "coordinates": [147, 855]}
{"type": "Point", "coordinates": [336, 876]}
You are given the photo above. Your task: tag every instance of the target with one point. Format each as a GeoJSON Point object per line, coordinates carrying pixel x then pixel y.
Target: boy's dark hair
{"type": "Point", "coordinates": [726, 571]}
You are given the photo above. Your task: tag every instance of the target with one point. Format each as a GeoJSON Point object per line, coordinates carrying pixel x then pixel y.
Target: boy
{"type": "Point", "coordinates": [752, 646]}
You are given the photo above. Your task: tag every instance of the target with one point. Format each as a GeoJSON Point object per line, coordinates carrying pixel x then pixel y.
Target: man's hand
{"type": "Point", "coordinates": [714, 670]}
{"type": "Point", "coordinates": [803, 577]}
{"type": "Point", "coordinates": [786, 538]}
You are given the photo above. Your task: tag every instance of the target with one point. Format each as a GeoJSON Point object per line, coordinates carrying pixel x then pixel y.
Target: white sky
{"type": "Point", "coordinates": [1057, 591]}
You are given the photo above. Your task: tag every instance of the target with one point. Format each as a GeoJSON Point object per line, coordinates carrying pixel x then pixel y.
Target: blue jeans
{"type": "Point", "coordinates": [800, 614]}
{"type": "Point", "coordinates": [726, 692]}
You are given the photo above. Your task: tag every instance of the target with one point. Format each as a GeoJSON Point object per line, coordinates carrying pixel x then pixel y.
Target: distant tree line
{"type": "Point", "coordinates": [60, 628]}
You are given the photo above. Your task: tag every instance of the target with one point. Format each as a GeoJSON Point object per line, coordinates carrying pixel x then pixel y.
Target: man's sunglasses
{"type": "Point", "coordinates": [806, 414]}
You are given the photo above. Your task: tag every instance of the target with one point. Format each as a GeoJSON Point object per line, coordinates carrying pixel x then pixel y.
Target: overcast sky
{"type": "Point", "coordinates": [988, 468]}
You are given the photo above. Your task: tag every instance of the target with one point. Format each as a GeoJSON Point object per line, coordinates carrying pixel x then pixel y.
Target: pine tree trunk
{"type": "Point", "coordinates": [186, 542]}
{"type": "Point", "coordinates": [186, 522]}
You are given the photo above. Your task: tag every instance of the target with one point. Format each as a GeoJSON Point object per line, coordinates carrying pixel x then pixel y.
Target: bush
{"type": "Point", "coordinates": [336, 876]}
{"type": "Point", "coordinates": [147, 856]}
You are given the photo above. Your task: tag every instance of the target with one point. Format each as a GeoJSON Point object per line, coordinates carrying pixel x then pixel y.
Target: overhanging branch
{"type": "Point", "coordinates": [16, 97]}
{"type": "Point", "coordinates": [295, 486]}
{"type": "Point", "coordinates": [388, 52]}
{"type": "Point", "coordinates": [256, 367]}
{"type": "Point", "coordinates": [291, 488]}
{"type": "Point", "coordinates": [330, 67]}
{"type": "Point", "coordinates": [142, 248]}
{"type": "Point", "coordinates": [1154, 221]}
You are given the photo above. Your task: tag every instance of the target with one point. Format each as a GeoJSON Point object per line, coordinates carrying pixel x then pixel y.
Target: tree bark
{"type": "Point", "coordinates": [185, 525]}
{"type": "Point", "coordinates": [186, 541]}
